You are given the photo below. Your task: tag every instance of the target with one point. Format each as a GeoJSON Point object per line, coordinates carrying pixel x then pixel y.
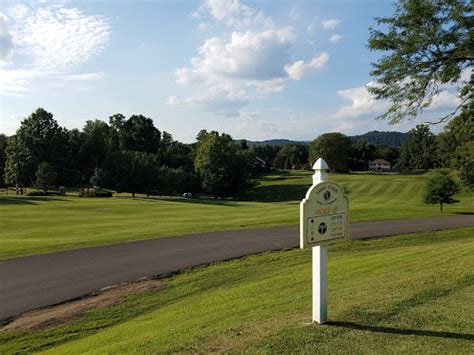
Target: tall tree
{"type": "Point", "coordinates": [223, 167]}
{"type": "Point", "coordinates": [39, 139]}
{"type": "Point", "coordinates": [45, 175]}
{"type": "Point", "coordinates": [456, 144]}
{"type": "Point", "coordinates": [131, 171]}
{"type": "Point", "coordinates": [138, 133]}
{"type": "Point", "coordinates": [362, 153]}
{"type": "Point", "coordinates": [96, 141]}
{"type": "Point", "coordinates": [418, 151]}
{"type": "Point", "coordinates": [427, 43]}
{"type": "Point", "coordinates": [335, 148]}
{"type": "Point", "coordinates": [291, 156]}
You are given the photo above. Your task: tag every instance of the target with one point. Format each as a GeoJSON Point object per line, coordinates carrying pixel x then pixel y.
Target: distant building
{"type": "Point", "coordinates": [379, 165]}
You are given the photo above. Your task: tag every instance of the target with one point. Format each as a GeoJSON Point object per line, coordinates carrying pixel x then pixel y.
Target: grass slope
{"type": "Point", "coordinates": [34, 225]}
{"type": "Point", "coordinates": [412, 293]}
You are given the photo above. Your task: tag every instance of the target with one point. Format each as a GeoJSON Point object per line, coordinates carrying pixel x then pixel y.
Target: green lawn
{"type": "Point", "coordinates": [405, 294]}
{"type": "Point", "coordinates": [35, 225]}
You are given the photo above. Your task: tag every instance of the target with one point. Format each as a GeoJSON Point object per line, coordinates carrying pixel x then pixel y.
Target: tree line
{"type": "Point", "coordinates": [132, 155]}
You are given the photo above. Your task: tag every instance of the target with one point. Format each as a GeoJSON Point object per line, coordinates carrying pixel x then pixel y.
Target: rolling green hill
{"type": "Point", "coordinates": [405, 294]}
{"type": "Point", "coordinates": [394, 139]}
{"type": "Point", "coordinates": [34, 225]}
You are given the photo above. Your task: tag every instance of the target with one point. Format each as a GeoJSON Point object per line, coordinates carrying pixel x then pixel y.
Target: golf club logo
{"type": "Point", "coordinates": [322, 228]}
{"type": "Point", "coordinates": [327, 195]}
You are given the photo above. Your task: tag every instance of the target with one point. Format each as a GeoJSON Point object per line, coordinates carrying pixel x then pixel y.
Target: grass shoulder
{"type": "Point", "coordinates": [406, 293]}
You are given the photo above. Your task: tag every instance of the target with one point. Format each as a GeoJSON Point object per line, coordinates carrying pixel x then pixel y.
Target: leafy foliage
{"type": "Point", "coordinates": [335, 148]}
{"type": "Point", "coordinates": [223, 167]}
{"type": "Point", "coordinates": [45, 175]}
{"type": "Point", "coordinates": [440, 188]}
{"type": "Point", "coordinates": [418, 151]}
{"type": "Point", "coordinates": [291, 157]}
{"type": "Point", "coordinates": [39, 139]}
{"type": "Point", "coordinates": [138, 133]}
{"type": "Point", "coordinates": [456, 145]}
{"type": "Point", "coordinates": [427, 43]}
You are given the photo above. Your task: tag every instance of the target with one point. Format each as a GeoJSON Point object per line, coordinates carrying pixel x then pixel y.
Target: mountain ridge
{"type": "Point", "coordinates": [390, 138]}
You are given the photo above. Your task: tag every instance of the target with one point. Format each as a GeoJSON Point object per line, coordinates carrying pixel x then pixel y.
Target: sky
{"type": "Point", "coordinates": [254, 69]}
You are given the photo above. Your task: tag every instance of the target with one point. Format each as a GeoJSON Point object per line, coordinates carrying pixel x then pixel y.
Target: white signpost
{"type": "Point", "coordinates": [323, 218]}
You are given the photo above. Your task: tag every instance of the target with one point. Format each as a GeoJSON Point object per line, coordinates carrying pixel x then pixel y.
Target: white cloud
{"type": "Point", "coordinates": [59, 38]}
{"type": "Point", "coordinates": [172, 100]}
{"type": "Point", "coordinates": [219, 99]}
{"type": "Point", "coordinates": [362, 103]}
{"type": "Point", "coordinates": [330, 24]}
{"type": "Point", "coordinates": [84, 77]}
{"type": "Point", "coordinates": [255, 58]}
{"type": "Point", "coordinates": [246, 55]}
{"type": "Point", "coordinates": [232, 13]}
{"type": "Point", "coordinates": [6, 44]}
{"type": "Point", "coordinates": [446, 99]}
{"type": "Point", "coordinates": [363, 107]}
{"type": "Point", "coordinates": [15, 82]}
{"type": "Point", "coordinates": [202, 26]}
{"type": "Point", "coordinates": [335, 38]}
{"type": "Point", "coordinates": [253, 127]}
{"type": "Point", "coordinates": [297, 70]}
{"type": "Point", "coordinates": [49, 41]}
{"type": "Point", "coordinates": [311, 28]}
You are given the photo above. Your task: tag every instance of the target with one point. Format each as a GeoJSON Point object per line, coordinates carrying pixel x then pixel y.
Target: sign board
{"type": "Point", "coordinates": [323, 214]}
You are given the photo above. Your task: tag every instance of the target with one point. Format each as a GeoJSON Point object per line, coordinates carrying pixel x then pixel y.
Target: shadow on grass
{"type": "Point", "coordinates": [391, 330]}
{"type": "Point", "coordinates": [276, 193]}
{"type": "Point", "coordinates": [26, 200]}
{"type": "Point", "coordinates": [464, 213]}
{"type": "Point", "coordinates": [200, 201]}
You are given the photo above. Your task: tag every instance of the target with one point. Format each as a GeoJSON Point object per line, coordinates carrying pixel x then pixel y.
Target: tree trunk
{"type": "Point", "coordinates": [441, 206]}
{"type": "Point", "coordinates": [133, 194]}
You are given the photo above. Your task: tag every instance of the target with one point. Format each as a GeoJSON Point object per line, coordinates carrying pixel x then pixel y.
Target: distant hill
{"type": "Point", "coordinates": [394, 139]}
{"type": "Point", "coordinates": [276, 142]}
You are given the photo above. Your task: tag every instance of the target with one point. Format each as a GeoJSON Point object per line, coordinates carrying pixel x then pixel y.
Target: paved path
{"type": "Point", "coordinates": [38, 281]}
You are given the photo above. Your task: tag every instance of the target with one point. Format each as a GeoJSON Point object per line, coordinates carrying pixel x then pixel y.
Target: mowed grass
{"type": "Point", "coordinates": [35, 225]}
{"type": "Point", "coordinates": [405, 294]}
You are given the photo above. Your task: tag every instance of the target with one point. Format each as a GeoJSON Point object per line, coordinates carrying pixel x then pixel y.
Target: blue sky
{"type": "Point", "coordinates": [254, 69]}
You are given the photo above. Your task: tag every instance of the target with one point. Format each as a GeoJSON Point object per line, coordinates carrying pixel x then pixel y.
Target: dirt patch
{"type": "Point", "coordinates": [65, 313]}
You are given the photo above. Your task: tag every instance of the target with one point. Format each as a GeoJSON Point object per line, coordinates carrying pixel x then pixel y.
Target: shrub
{"type": "Point", "coordinates": [95, 193]}
{"type": "Point", "coordinates": [440, 188]}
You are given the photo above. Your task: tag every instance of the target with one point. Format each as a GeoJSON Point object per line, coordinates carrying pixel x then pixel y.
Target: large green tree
{"type": "Point", "coordinates": [291, 156]}
{"type": "Point", "coordinates": [362, 153]}
{"type": "Point", "coordinates": [425, 44]}
{"type": "Point", "coordinates": [223, 167]}
{"type": "Point", "coordinates": [131, 171]}
{"type": "Point", "coordinates": [418, 151]}
{"type": "Point", "coordinates": [138, 133]}
{"type": "Point", "coordinates": [335, 148]}
{"type": "Point", "coordinates": [39, 139]}
{"type": "Point", "coordinates": [456, 144]}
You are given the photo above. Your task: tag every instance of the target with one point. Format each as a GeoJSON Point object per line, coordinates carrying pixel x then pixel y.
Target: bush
{"type": "Point", "coordinates": [95, 193]}
{"type": "Point", "coordinates": [440, 188]}
{"type": "Point", "coordinates": [42, 193]}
